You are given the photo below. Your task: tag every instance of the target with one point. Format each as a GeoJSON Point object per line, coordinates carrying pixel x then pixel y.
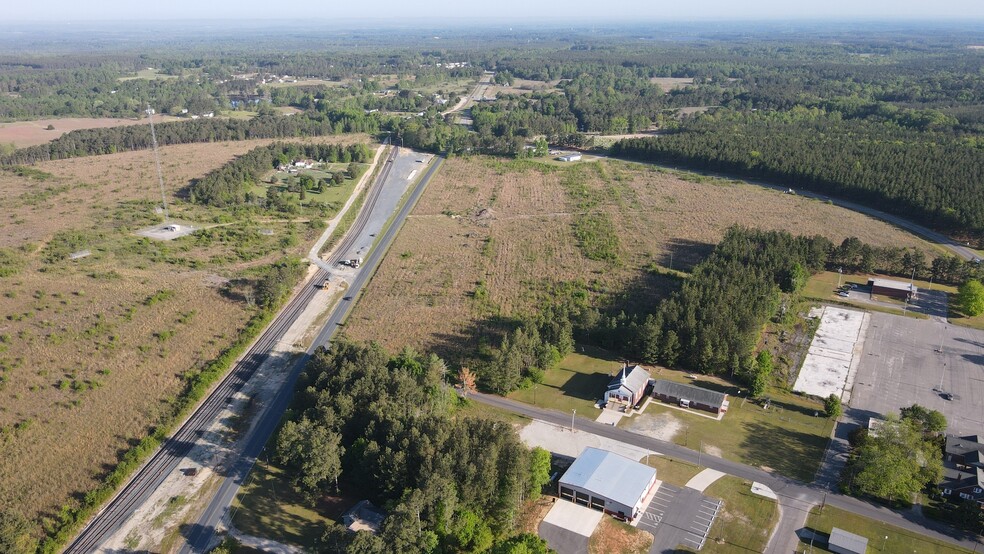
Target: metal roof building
{"type": "Point", "coordinates": [605, 481]}
{"type": "Point", "coordinates": [895, 289]}
{"type": "Point", "coordinates": [690, 396]}
{"type": "Point", "coordinates": [843, 542]}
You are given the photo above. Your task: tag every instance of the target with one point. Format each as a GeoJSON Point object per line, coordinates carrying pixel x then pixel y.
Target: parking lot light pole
{"type": "Point", "coordinates": [572, 419]}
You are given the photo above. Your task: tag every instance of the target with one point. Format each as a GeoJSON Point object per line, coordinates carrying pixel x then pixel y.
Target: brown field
{"type": "Point", "coordinates": [87, 362]}
{"type": "Point", "coordinates": [524, 86]}
{"type": "Point", "coordinates": [670, 83]}
{"type": "Point", "coordinates": [423, 292]}
{"type": "Point", "coordinates": [31, 133]}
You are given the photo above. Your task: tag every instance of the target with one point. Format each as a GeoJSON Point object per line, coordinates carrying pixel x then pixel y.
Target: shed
{"type": "Point", "coordinates": [628, 386]}
{"type": "Point", "coordinates": [570, 158]}
{"type": "Point", "coordinates": [690, 396]}
{"type": "Point", "coordinates": [605, 481]}
{"type": "Point", "coordinates": [842, 542]}
{"type": "Point", "coordinates": [364, 516]}
{"type": "Point", "coordinates": [894, 289]}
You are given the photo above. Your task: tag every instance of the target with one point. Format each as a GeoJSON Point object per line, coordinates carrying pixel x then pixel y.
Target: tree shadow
{"type": "Point", "coordinates": [585, 386]}
{"type": "Point", "coordinates": [640, 295]}
{"type": "Point", "coordinates": [781, 449]}
{"type": "Point", "coordinates": [684, 254]}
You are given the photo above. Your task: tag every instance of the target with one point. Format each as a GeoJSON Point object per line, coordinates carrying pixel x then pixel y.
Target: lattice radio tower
{"type": "Point", "coordinates": [157, 160]}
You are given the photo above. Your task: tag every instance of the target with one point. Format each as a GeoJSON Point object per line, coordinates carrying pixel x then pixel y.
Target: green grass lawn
{"type": "Point", "coordinates": [745, 521]}
{"type": "Point", "coordinates": [333, 195]}
{"type": "Point", "coordinates": [823, 286]}
{"type": "Point", "coordinates": [672, 471]}
{"type": "Point", "coordinates": [267, 506]}
{"type": "Point", "coordinates": [899, 540]}
{"type": "Point", "coordinates": [239, 114]}
{"type": "Point", "coordinates": [787, 438]}
{"type": "Point", "coordinates": [575, 384]}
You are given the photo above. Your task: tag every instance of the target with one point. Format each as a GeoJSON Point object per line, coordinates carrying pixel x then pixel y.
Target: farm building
{"type": "Point", "coordinates": [605, 481]}
{"type": "Point", "coordinates": [690, 396]}
{"type": "Point", "coordinates": [842, 542]}
{"type": "Point", "coordinates": [628, 386]}
{"type": "Point", "coordinates": [895, 289]}
{"type": "Point", "coordinates": [570, 158]}
{"type": "Point", "coordinates": [963, 469]}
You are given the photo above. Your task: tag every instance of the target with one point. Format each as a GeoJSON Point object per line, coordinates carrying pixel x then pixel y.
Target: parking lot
{"type": "Point", "coordinates": [678, 516]}
{"type": "Point", "coordinates": [909, 361]}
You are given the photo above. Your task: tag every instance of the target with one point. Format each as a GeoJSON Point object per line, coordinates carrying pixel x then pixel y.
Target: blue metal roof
{"type": "Point", "coordinates": [609, 475]}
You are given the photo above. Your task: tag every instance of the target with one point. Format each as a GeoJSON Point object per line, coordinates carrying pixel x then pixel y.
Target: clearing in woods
{"type": "Point", "coordinates": [489, 237]}
{"type": "Point", "coordinates": [92, 350]}
{"type": "Point", "coordinates": [31, 133]}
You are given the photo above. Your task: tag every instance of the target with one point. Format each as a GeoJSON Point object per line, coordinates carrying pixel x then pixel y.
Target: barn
{"type": "Point", "coordinates": [690, 396]}
{"type": "Point", "coordinates": [894, 289]}
{"type": "Point", "coordinates": [607, 482]}
{"type": "Point", "coordinates": [628, 386]}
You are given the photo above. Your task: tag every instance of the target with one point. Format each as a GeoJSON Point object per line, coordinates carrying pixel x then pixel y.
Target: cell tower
{"type": "Point", "coordinates": [157, 160]}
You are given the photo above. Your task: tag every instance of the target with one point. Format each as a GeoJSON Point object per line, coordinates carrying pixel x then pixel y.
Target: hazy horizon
{"type": "Point", "coordinates": [503, 11]}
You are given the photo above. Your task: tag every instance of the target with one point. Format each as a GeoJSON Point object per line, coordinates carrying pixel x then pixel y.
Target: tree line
{"type": "Point", "coordinates": [230, 184]}
{"type": "Point", "coordinates": [387, 428]}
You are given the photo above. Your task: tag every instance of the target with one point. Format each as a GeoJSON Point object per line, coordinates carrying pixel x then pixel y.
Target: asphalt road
{"type": "Point", "coordinates": [200, 535]}
{"type": "Point", "coordinates": [791, 493]}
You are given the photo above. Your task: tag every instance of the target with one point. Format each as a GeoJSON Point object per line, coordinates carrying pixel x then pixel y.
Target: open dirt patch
{"type": "Point", "coordinates": [612, 537]}
{"type": "Point", "coordinates": [31, 133]}
{"type": "Point", "coordinates": [662, 426]}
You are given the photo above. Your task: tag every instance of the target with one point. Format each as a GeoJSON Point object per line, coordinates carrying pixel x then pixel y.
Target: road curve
{"type": "Point", "coordinates": [791, 493]}
{"type": "Point", "coordinates": [202, 534]}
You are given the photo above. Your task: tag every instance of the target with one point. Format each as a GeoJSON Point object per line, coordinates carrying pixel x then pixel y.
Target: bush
{"type": "Point", "coordinates": [832, 406]}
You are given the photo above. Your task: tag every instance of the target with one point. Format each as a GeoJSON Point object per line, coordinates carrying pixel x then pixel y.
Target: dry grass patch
{"type": "Point", "coordinates": [490, 236]}
{"type": "Point", "coordinates": [93, 351]}
{"type": "Point", "coordinates": [670, 83]}
{"type": "Point", "coordinates": [615, 537]}
{"type": "Point", "coordinates": [31, 133]}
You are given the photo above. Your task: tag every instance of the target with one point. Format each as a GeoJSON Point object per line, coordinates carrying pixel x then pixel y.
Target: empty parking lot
{"type": "Point", "coordinates": [909, 361]}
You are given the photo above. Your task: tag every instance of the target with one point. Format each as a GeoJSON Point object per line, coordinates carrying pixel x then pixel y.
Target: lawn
{"type": "Point", "coordinates": [267, 506]}
{"type": "Point", "coordinates": [575, 384]}
{"type": "Point", "coordinates": [898, 540]}
{"type": "Point", "coordinates": [787, 438]}
{"type": "Point", "coordinates": [823, 286]}
{"type": "Point", "coordinates": [672, 471]}
{"type": "Point", "coordinates": [745, 521]}
{"type": "Point", "coordinates": [614, 537]}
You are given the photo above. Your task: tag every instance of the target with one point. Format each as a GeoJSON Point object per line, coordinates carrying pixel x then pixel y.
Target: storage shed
{"type": "Point", "coordinates": [607, 482]}
{"type": "Point", "coordinates": [843, 542]}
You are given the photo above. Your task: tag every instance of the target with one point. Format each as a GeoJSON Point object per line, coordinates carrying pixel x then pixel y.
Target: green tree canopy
{"type": "Point", "coordinates": [970, 298]}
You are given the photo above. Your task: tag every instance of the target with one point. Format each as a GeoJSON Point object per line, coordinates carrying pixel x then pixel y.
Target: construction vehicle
{"type": "Point", "coordinates": [353, 263]}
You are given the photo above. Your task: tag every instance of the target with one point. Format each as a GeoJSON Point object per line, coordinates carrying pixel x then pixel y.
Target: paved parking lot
{"type": "Point", "coordinates": [678, 516]}
{"type": "Point", "coordinates": [903, 364]}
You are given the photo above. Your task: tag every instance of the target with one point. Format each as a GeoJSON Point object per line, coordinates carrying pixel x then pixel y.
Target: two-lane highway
{"type": "Point", "coordinates": [203, 533]}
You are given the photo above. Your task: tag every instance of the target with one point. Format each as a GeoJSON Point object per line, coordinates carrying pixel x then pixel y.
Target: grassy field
{"type": "Point", "coordinates": [148, 73]}
{"type": "Point", "coordinates": [575, 384]}
{"type": "Point", "coordinates": [510, 225]}
{"type": "Point", "coordinates": [786, 438]}
{"type": "Point", "coordinates": [672, 471]}
{"type": "Point", "coordinates": [30, 133]}
{"type": "Point", "coordinates": [745, 521]}
{"type": "Point", "coordinates": [898, 540]}
{"type": "Point", "coordinates": [93, 351]}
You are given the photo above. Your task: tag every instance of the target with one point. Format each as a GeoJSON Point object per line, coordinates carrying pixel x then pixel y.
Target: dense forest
{"type": "Point", "coordinates": [387, 428]}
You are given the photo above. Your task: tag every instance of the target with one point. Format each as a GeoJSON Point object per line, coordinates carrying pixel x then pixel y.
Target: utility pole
{"type": "Point", "coordinates": [840, 273]}
{"type": "Point", "coordinates": [572, 419]}
{"type": "Point", "coordinates": [700, 450]}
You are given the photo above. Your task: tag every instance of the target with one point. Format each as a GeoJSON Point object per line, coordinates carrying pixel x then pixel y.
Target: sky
{"type": "Point", "coordinates": [517, 10]}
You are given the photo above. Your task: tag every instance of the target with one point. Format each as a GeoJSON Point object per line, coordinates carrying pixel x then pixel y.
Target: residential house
{"type": "Point", "coordinates": [963, 469]}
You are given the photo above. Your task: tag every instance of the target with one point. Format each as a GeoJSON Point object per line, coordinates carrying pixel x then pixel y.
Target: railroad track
{"type": "Point", "coordinates": [167, 458]}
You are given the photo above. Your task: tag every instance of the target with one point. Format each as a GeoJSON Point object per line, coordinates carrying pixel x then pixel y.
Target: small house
{"type": "Point", "coordinates": [690, 396]}
{"type": "Point", "coordinates": [628, 386]}
{"type": "Point", "coordinates": [893, 289]}
{"type": "Point", "coordinates": [364, 516]}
